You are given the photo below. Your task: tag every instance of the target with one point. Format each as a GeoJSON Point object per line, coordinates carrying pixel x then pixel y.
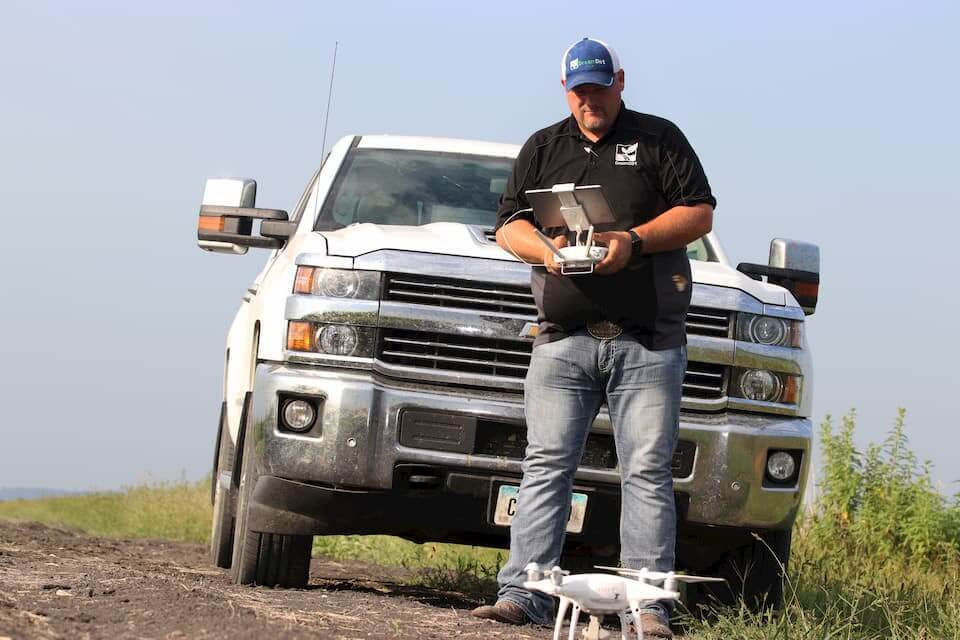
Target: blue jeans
{"type": "Point", "coordinates": [567, 382]}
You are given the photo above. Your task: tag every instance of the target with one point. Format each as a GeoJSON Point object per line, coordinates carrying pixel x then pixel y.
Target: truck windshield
{"type": "Point", "coordinates": [386, 186]}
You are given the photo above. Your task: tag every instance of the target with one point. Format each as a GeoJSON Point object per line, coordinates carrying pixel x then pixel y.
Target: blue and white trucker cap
{"type": "Point", "coordinates": [589, 61]}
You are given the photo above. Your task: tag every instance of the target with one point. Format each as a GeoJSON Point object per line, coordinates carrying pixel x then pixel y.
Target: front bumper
{"type": "Point", "coordinates": [351, 474]}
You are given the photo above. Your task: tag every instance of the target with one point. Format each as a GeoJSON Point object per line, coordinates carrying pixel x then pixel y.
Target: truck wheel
{"type": "Point", "coordinates": [753, 572]}
{"type": "Point", "coordinates": [268, 559]}
{"type": "Point", "coordinates": [221, 532]}
{"type": "Point", "coordinates": [275, 560]}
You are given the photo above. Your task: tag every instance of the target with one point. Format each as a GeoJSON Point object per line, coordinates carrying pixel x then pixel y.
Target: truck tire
{"type": "Point", "coordinates": [275, 560]}
{"type": "Point", "coordinates": [221, 531]}
{"type": "Point", "coordinates": [754, 572]}
{"type": "Point", "coordinates": [267, 559]}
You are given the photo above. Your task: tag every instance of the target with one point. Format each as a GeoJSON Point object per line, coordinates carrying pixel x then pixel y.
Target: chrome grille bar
{"type": "Point", "coordinates": [461, 294]}
{"type": "Point", "coordinates": [708, 322]}
{"type": "Point", "coordinates": [439, 360]}
{"type": "Point", "coordinates": [459, 287]}
{"type": "Point", "coordinates": [440, 345]}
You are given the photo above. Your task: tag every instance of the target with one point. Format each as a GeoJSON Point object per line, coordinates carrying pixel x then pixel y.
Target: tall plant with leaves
{"type": "Point", "coordinates": [883, 500]}
{"type": "Point", "coordinates": [841, 487]}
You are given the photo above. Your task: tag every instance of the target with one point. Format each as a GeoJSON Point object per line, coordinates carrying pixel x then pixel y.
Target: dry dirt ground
{"type": "Point", "coordinates": [56, 583]}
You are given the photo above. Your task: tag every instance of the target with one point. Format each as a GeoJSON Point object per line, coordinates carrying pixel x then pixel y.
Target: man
{"type": "Point", "coordinates": [614, 336]}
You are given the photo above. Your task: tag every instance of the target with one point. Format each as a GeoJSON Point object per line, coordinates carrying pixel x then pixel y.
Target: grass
{"type": "Point", "coordinates": [877, 558]}
{"type": "Point", "coordinates": [172, 511]}
{"type": "Point", "coordinates": [455, 567]}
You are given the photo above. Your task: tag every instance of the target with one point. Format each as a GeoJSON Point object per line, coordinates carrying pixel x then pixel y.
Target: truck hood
{"type": "Point", "coordinates": [455, 239]}
{"type": "Point", "coordinates": [446, 238]}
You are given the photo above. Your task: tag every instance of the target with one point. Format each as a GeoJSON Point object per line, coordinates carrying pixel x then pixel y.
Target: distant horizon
{"type": "Point", "coordinates": [30, 493]}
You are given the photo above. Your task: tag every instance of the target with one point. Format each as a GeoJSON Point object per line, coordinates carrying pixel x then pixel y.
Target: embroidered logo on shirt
{"type": "Point", "coordinates": [627, 154]}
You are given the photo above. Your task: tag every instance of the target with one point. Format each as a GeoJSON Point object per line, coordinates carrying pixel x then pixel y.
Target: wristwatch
{"type": "Point", "coordinates": [636, 245]}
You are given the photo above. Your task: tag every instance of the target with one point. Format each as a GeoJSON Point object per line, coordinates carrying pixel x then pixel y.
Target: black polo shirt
{"type": "Point", "coordinates": [646, 166]}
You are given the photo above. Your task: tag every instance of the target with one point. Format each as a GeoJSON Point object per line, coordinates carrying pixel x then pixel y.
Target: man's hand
{"type": "Point", "coordinates": [550, 260]}
{"type": "Point", "coordinates": [619, 248]}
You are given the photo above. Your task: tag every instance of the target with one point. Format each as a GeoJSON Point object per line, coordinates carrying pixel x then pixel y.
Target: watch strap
{"type": "Point", "coordinates": [636, 245]}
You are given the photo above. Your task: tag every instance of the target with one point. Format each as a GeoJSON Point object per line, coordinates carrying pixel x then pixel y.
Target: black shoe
{"type": "Point", "coordinates": [504, 611]}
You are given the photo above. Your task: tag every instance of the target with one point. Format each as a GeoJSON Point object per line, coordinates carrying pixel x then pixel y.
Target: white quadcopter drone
{"type": "Point", "coordinates": [597, 594]}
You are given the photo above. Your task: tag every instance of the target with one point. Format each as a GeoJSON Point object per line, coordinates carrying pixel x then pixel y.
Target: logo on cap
{"type": "Point", "coordinates": [589, 61]}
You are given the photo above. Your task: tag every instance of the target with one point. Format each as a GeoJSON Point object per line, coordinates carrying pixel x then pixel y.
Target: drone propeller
{"type": "Point", "coordinates": [660, 575]}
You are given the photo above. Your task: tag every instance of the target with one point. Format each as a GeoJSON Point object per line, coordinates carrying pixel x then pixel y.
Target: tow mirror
{"type": "Point", "coordinates": [793, 265]}
{"type": "Point", "coordinates": [226, 219]}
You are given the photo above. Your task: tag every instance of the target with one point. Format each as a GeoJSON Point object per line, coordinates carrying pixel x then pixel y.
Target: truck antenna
{"type": "Point", "coordinates": [326, 118]}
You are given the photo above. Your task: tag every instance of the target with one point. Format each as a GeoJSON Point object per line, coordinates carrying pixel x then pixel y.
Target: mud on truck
{"type": "Point", "coordinates": [373, 377]}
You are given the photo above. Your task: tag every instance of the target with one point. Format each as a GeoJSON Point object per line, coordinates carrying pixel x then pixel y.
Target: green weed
{"type": "Point", "coordinates": [878, 556]}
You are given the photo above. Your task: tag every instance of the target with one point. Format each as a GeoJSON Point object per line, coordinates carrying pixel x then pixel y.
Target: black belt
{"type": "Point", "coordinates": [604, 329]}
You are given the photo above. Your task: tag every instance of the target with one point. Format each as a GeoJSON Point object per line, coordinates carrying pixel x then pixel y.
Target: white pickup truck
{"type": "Point", "coordinates": [373, 376]}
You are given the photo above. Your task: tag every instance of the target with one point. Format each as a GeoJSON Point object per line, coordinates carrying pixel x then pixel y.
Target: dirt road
{"type": "Point", "coordinates": [62, 584]}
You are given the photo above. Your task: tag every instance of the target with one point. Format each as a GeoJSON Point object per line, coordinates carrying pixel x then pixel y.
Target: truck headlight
{"type": "Point", "coordinates": [342, 340]}
{"type": "Point", "coordinates": [769, 330]}
{"type": "Point", "coordinates": [763, 385]}
{"type": "Point", "coordinates": [338, 283]}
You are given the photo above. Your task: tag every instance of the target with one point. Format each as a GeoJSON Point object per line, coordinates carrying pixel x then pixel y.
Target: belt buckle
{"type": "Point", "coordinates": [604, 329]}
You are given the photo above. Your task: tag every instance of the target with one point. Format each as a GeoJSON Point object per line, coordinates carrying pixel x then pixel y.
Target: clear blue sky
{"type": "Point", "coordinates": [835, 123]}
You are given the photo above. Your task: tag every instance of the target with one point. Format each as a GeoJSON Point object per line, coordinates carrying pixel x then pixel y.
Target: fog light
{"type": "Point", "coordinates": [760, 384]}
{"type": "Point", "coordinates": [781, 466]}
{"type": "Point", "coordinates": [338, 339]}
{"type": "Point", "coordinates": [298, 415]}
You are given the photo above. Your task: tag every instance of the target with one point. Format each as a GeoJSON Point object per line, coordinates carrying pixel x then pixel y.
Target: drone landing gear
{"type": "Point", "coordinates": [593, 631]}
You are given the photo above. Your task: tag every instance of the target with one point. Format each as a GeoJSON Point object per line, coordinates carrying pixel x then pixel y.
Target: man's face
{"type": "Point", "coordinates": [594, 106]}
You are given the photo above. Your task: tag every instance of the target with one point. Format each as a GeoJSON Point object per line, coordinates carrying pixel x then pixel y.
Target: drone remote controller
{"type": "Point", "coordinates": [580, 259]}
{"type": "Point", "coordinates": [577, 259]}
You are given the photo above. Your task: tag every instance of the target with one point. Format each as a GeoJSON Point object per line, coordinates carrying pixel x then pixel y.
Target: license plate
{"type": "Point", "coordinates": [507, 507]}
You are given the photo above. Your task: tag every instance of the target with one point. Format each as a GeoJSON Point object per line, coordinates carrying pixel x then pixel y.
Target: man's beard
{"type": "Point", "coordinates": [595, 123]}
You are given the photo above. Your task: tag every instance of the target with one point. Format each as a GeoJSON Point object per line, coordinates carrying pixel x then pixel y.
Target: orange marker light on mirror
{"type": "Point", "coordinates": [211, 223]}
{"type": "Point", "coordinates": [300, 336]}
{"type": "Point", "coordinates": [810, 289]}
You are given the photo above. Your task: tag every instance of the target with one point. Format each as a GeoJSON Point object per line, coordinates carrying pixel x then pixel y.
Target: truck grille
{"type": "Point", "coordinates": [449, 352]}
{"type": "Point", "coordinates": [702, 321]}
{"type": "Point", "coordinates": [460, 294]}
{"type": "Point", "coordinates": [485, 296]}
{"type": "Point", "coordinates": [508, 358]}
